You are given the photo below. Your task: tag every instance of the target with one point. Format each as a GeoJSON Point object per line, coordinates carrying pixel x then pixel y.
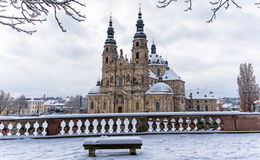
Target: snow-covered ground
{"type": "Point", "coordinates": [155, 147]}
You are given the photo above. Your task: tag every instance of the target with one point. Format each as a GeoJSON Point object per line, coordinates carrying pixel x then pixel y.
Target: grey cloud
{"type": "Point", "coordinates": [59, 64]}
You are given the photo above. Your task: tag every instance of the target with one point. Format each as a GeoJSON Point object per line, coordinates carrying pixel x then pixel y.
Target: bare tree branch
{"type": "Point", "coordinates": [217, 5]}
{"type": "Point", "coordinates": [18, 13]}
{"type": "Point", "coordinates": [221, 4]}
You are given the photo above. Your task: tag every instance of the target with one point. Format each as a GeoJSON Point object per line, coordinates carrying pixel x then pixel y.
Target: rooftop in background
{"type": "Point", "coordinates": [200, 94]}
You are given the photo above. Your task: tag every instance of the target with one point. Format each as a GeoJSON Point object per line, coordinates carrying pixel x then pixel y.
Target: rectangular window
{"type": "Point", "coordinates": [92, 105]}
{"type": "Point", "coordinates": [137, 106]}
{"type": "Point", "coordinates": [157, 106]}
{"type": "Point", "coordinates": [137, 55]}
{"type": "Point", "coordinates": [120, 109]}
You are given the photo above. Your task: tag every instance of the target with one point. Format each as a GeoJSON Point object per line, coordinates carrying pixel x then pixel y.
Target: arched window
{"type": "Point", "coordinates": [106, 49]}
{"type": "Point", "coordinates": [120, 81]}
{"type": "Point", "coordinates": [106, 60]}
{"type": "Point", "coordinates": [158, 71]}
{"type": "Point", "coordinates": [198, 108]}
{"type": "Point", "coordinates": [206, 108]}
{"type": "Point", "coordinates": [92, 105]}
{"type": "Point", "coordinates": [137, 44]}
{"type": "Point", "coordinates": [137, 55]}
{"type": "Point", "coordinates": [107, 83]}
{"type": "Point", "coordinates": [157, 106]}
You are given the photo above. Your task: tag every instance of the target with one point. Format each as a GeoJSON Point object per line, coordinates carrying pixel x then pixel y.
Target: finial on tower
{"type": "Point", "coordinates": [110, 32]}
{"type": "Point", "coordinates": [140, 26]}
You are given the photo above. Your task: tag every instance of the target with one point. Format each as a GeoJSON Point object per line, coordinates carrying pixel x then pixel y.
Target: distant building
{"type": "Point", "coordinates": [230, 107]}
{"type": "Point", "coordinates": [54, 106]}
{"type": "Point", "coordinates": [201, 100]}
{"type": "Point", "coordinates": [35, 106]}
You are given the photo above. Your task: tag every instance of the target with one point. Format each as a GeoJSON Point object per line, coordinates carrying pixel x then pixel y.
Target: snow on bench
{"type": "Point", "coordinates": [104, 142]}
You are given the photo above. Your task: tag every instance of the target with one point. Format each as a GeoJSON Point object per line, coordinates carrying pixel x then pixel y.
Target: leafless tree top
{"type": "Point", "coordinates": [216, 6]}
{"type": "Point", "coordinates": [17, 13]}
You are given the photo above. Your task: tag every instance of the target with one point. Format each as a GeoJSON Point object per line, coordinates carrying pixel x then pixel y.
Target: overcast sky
{"type": "Point", "coordinates": [204, 55]}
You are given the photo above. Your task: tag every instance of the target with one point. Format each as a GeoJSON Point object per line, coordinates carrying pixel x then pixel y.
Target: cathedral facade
{"type": "Point", "coordinates": [143, 84]}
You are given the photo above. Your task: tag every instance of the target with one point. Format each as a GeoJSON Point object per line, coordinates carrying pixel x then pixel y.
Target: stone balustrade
{"type": "Point", "coordinates": [127, 124]}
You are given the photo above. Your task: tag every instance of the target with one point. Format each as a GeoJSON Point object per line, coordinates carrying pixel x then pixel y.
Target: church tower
{"type": "Point", "coordinates": [140, 57]}
{"type": "Point", "coordinates": [109, 58]}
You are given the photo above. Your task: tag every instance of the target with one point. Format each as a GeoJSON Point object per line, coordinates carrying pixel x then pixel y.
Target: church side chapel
{"type": "Point", "coordinates": [144, 84]}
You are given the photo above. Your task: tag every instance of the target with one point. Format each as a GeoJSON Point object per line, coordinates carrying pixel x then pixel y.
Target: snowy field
{"type": "Point", "coordinates": [155, 147]}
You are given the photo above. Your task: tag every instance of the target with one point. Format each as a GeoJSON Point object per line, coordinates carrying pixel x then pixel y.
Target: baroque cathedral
{"type": "Point", "coordinates": [143, 84]}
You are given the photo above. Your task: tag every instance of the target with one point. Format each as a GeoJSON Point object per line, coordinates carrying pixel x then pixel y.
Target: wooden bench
{"type": "Point", "coordinates": [124, 142]}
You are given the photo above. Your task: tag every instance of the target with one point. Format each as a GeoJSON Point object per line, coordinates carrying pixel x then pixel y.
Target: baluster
{"type": "Point", "coordinates": [165, 123]}
{"type": "Point", "coordinates": [103, 124]}
{"type": "Point", "coordinates": [110, 123]}
{"type": "Point", "coordinates": [45, 125]}
{"type": "Point", "coordinates": [134, 122]}
{"type": "Point", "coordinates": [10, 127]}
{"type": "Point", "coordinates": [195, 124]}
{"type": "Point", "coordinates": [218, 121]}
{"type": "Point", "coordinates": [79, 124]}
{"type": "Point", "coordinates": [95, 124]}
{"type": "Point", "coordinates": [87, 124]}
{"type": "Point", "coordinates": [35, 126]}
{"type": "Point", "coordinates": [158, 123]}
{"type": "Point", "coordinates": [203, 121]}
{"type": "Point", "coordinates": [211, 122]}
{"type": "Point", "coordinates": [27, 126]}
{"type": "Point", "coordinates": [62, 124]}
{"type": "Point", "coordinates": [150, 124]}
{"type": "Point", "coordinates": [18, 126]}
{"type": "Point", "coordinates": [118, 125]}
{"type": "Point", "coordinates": [173, 124]}
{"type": "Point", "coordinates": [126, 123]}
{"type": "Point", "coordinates": [71, 125]}
{"type": "Point", "coordinates": [1, 129]}
{"type": "Point", "coordinates": [188, 121]}
{"type": "Point", "coordinates": [180, 124]}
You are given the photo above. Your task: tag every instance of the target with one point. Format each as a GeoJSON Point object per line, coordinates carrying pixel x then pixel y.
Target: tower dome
{"type": "Point", "coordinates": [96, 89]}
{"type": "Point", "coordinates": [140, 27]}
{"type": "Point", "coordinates": [110, 34]}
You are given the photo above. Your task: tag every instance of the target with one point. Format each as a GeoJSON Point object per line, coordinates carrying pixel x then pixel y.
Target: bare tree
{"type": "Point", "coordinates": [75, 104]}
{"type": "Point", "coordinates": [247, 87]}
{"type": "Point", "coordinates": [18, 13]}
{"type": "Point", "coordinates": [216, 6]}
{"type": "Point", "coordinates": [20, 103]}
{"type": "Point", "coordinates": [5, 101]}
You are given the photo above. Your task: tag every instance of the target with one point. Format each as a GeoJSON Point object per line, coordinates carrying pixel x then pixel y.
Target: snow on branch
{"type": "Point", "coordinates": [217, 5]}
{"type": "Point", "coordinates": [221, 4]}
{"type": "Point", "coordinates": [18, 13]}
{"type": "Point", "coordinates": [165, 3]}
